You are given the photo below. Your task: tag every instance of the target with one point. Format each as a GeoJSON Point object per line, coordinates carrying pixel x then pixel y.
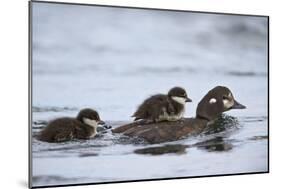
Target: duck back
{"type": "Point", "coordinates": [59, 130]}
{"type": "Point", "coordinates": [163, 131]}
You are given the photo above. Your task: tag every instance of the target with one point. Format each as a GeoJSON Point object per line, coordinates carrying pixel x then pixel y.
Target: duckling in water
{"type": "Point", "coordinates": [163, 107]}
{"type": "Point", "coordinates": [215, 102]}
{"type": "Point", "coordinates": [84, 126]}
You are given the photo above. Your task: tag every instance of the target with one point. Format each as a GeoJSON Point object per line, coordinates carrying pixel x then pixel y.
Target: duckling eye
{"type": "Point", "coordinates": [181, 95]}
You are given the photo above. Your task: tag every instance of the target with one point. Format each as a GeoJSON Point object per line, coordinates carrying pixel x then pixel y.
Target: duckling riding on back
{"type": "Point", "coordinates": [162, 107]}
{"type": "Point", "coordinates": [215, 102]}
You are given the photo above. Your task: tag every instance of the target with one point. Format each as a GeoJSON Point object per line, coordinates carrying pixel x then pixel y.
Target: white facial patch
{"type": "Point", "coordinates": [212, 100]}
{"type": "Point", "coordinates": [180, 100]}
{"type": "Point", "coordinates": [227, 104]}
{"type": "Point", "coordinates": [90, 122]}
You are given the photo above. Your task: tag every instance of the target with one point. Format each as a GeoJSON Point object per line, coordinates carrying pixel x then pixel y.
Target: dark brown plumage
{"type": "Point", "coordinates": [215, 102]}
{"type": "Point", "coordinates": [65, 129]}
{"type": "Point", "coordinates": [163, 131]}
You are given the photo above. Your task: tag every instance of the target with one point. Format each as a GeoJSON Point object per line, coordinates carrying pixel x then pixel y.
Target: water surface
{"type": "Point", "coordinates": [111, 59]}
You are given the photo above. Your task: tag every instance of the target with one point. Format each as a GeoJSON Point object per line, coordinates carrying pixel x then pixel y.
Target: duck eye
{"type": "Point", "coordinates": [224, 98]}
{"type": "Point", "coordinates": [97, 118]}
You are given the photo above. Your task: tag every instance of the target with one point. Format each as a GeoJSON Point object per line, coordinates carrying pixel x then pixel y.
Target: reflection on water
{"type": "Point", "coordinates": [216, 144]}
{"type": "Point", "coordinates": [224, 135]}
{"type": "Point", "coordinates": [166, 149]}
{"type": "Point", "coordinates": [112, 59]}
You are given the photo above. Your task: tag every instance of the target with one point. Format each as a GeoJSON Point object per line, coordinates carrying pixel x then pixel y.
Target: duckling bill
{"type": "Point", "coordinates": [84, 126]}
{"type": "Point", "coordinates": [218, 100]}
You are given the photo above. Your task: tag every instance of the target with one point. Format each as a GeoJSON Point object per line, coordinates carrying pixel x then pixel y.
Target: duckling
{"type": "Point", "coordinates": [84, 126]}
{"type": "Point", "coordinates": [218, 100]}
{"type": "Point", "coordinates": [161, 107]}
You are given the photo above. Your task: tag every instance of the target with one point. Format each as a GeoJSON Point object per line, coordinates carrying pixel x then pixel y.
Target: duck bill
{"type": "Point", "coordinates": [237, 105]}
{"type": "Point", "coordinates": [101, 122]}
{"type": "Point", "coordinates": [188, 99]}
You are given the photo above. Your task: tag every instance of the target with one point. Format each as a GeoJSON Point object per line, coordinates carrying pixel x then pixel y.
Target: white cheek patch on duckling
{"type": "Point", "coordinates": [179, 100]}
{"type": "Point", "coordinates": [90, 122]}
{"type": "Point", "coordinates": [212, 100]}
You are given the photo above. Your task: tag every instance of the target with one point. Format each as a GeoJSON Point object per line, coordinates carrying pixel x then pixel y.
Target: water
{"type": "Point", "coordinates": [111, 59]}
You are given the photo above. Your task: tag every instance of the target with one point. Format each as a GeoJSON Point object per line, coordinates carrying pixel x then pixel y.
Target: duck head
{"type": "Point", "coordinates": [179, 95]}
{"type": "Point", "coordinates": [89, 117]}
{"type": "Point", "coordinates": [215, 102]}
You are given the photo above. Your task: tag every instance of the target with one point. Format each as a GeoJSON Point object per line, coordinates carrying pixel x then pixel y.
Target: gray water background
{"type": "Point", "coordinates": [111, 59]}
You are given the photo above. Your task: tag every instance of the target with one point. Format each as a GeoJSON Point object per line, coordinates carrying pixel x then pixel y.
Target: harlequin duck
{"type": "Point", "coordinates": [215, 102]}
{"type": "Point", "coordinates": [84, 126]}
{"type": "Point", "coordinates": [163, 107]}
